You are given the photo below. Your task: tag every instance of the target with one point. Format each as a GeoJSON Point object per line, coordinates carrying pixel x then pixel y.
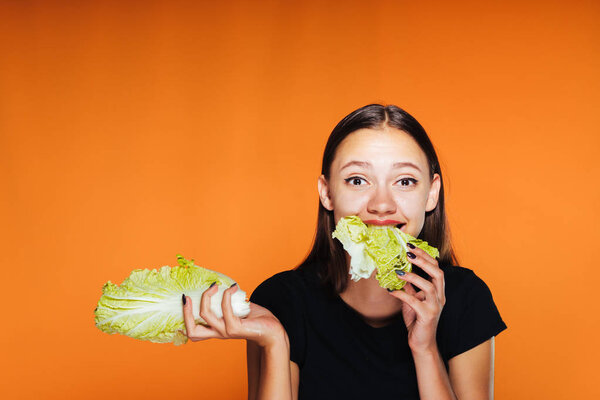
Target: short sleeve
{"type": "Point", "coordinates": [477, 317]}
{"type": "Point", "coordinates": [280, 294]}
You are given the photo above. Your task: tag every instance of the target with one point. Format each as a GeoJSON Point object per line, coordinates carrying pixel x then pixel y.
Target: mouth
{"type": "Point", "coordinates": [386, 222]}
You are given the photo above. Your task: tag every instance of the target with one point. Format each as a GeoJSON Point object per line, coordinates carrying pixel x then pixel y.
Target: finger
{"type": "Point", "coordinates": [232, 323]}
{"type": "Point", "coordinates": [437, 278]}
{"type": "Point", "coordinates": [420, 253]}
{"type": "Point", "coordinates": [194, 331]}
{"type": "Point", "coordinates": [188, 315]}
{"type": "Point", "coordinates": [409, 299]}
{"type": "Point", "coordinates": [429, 265]}
{"type": "Point", "coordinates": [201, 332]}
{"type": "Point", "coordinates": [206, 313]}
{"type": "Point", "coordinates": [409, 288]}
{"type": "Point", "coordinates": [424, 261]}
{"type": "Point", "coordinates": [419, 282]}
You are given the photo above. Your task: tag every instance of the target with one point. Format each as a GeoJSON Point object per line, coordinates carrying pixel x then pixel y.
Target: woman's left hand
{"type": "Point", "coordinates": [421, 310]}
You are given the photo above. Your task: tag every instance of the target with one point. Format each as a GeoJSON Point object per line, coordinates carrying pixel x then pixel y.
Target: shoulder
{"type": "Point", "coordinates": [458, 275]}
{"type": "Point", "coordinates": [462, 280]}
{"type": "Point", "coordinates": [467, 293]}
{"type": "Point", "coordinates": [288, 285]}
{"type": "Point", "coordinates": [470, 316]}
{"type": "Point", "coordinates": [289, 279]}
{"type": "Point", "coordinates": [286, 294]}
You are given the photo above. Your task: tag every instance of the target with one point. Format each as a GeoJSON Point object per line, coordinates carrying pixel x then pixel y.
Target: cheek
{"type": "Point", "coordinates": [346, 203]}
{"type": "Point", "coordinates": [412, 206]}
{"type": "Point", "coordinates": [414, 210]}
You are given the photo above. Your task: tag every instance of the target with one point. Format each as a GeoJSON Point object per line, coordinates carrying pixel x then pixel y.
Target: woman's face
{"type": "Point", "coordinates": [381, 176]}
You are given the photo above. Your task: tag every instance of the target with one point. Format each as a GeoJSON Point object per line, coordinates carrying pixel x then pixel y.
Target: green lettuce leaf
{"type": "Point", "coordinates": [147, 305]}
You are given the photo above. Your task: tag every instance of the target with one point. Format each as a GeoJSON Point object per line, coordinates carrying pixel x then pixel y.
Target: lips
{"type": "Point", "coordinates": [377, 222]}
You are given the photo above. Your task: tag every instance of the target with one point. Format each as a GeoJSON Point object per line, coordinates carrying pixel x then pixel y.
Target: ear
{"type": "Point", "coordinates": [434, 193]}
{"type": "Point", "coordinates": [323, 188]}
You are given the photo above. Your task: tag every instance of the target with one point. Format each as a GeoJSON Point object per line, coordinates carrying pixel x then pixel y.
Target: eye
{"type": "Point", "coordinates": [355, 180]}
{"type": "Point", "coordinates": [406, 181]}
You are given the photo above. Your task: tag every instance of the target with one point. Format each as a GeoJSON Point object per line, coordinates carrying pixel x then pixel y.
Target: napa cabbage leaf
{"type": "Point", "coordinates": [147, 305]}
{"type": "Point", "coordinates": [381, 248]}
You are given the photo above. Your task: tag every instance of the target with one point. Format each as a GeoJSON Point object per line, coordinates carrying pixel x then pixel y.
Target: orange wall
{"type": "Point", "coordinates": [131, 131]}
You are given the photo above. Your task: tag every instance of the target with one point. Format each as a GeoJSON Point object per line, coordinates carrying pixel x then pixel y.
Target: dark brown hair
{"type": "Point", "coordinates": [333, 269]}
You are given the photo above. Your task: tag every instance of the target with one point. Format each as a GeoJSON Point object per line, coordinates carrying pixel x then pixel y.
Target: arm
{"type": "Point", "coordinates": [472, 372]}
{"type": "Point", "coordinates": [270, 371]}
{"type": "Point", "coordinates": [421, 312]}
{"type": "Point", "coordinates": [253, 367]}
{"type": "Point", "coordinates": [268, 350]}
{"type": "Point", "coordinates": [295, 370]}
{"type": "Point", "coordinates": [432, 378]}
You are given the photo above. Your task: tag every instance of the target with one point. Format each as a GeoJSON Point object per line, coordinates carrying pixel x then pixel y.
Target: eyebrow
{"type": "Point", "coordinates": [366, 164]}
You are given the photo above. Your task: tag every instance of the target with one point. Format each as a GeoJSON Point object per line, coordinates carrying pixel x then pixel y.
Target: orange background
{"type": "Point", "coordinates": [131, 131]}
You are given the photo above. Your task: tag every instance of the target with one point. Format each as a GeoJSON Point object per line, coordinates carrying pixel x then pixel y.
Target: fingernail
{"type": "Point", "coordinates": [234, 283]}
{"type": "Point", "coordinates": [390, 290]}
{"type": "Point", "coordinates": [401, 273]}
{"type": "Point", "coordinates": [410, 255]}
{"type": "Point", "coordinates": [412, 246]}
{"type": "Point", "coordinates": [183, 299]}
{"type": "Point", "coordinates": [212, 284]}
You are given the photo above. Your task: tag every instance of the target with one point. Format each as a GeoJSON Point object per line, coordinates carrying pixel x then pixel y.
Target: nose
{"type": "Point", "coordinates": [382, 202]}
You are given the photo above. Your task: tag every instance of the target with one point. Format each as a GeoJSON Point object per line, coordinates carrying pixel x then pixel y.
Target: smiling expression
{"type": "Point", "coordinates": [382, 176]}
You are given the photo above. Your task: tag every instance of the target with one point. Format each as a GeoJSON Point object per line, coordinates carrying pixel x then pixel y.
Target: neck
{"type": "Point", "coordinates": [371, 301]}
{"type": "Point", "coordinates": [366, 290]}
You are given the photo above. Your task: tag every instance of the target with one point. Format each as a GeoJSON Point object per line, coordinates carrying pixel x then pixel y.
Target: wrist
{"type": "Point", "coordinates": [278, 339]}
{"type": "Point", "coordinates": [425, 352]}
{"type": "Point", "coordinates": [276, 348]}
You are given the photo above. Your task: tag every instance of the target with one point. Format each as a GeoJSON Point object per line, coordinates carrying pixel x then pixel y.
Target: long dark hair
{"type": "Point", "coordinates": [329, 253]}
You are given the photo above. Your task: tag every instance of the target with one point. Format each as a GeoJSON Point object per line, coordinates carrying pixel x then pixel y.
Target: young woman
{"type": "Point", "coordinates": [313, 333]}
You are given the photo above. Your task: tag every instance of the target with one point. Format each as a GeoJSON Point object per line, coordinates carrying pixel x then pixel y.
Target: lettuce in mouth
{"type": "Point", "coordinates": [147, 305]}
{"type": "Point", "coordinates": [381, 248]}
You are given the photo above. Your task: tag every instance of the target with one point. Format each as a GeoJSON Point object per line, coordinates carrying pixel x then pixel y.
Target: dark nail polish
{"type": "Point", "coordinates": [212, 284]}
{"type": "Point", "coordinates": [183, 299]}
{"type": "Point", "coordinates": [410, 255]}
{"type": "Point", "coordinates": [234, 283]}
{"type": "Point", "coordinates": [412, 246]}
{"type": "Point", "coordinates": [401, 273]}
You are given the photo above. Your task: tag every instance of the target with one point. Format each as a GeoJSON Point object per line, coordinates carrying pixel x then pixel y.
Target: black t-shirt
{"type": "Point", "coordinates": [341, 356]}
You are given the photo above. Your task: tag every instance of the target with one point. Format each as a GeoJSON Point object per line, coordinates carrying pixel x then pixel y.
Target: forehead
{"type": "Point", "coordinates": [379, 147]}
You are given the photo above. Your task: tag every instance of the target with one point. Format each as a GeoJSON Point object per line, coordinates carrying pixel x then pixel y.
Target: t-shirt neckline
{"type": "Point", "coordinates": [355, 315]}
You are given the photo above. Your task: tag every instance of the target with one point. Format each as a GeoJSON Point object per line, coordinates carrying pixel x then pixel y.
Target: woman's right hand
{"type": "Point", "coordinates": [259, 326]}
